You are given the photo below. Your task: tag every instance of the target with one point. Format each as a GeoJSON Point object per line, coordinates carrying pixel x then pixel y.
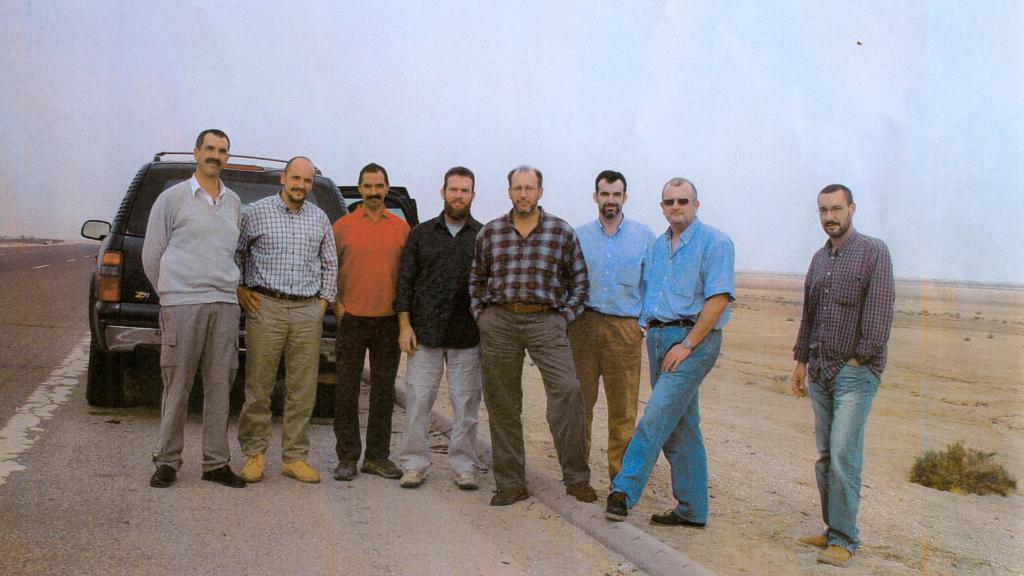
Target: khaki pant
{"type": "Point", "coordinates": [193, 337]}
{"type": "Point", "coordinates": [607, 348]}
{"type": "Point", "coordinates": [293, 328]}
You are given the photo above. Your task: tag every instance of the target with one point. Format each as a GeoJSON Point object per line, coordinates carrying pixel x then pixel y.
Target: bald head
{"type": "Point", "coordinates": [297, 181]}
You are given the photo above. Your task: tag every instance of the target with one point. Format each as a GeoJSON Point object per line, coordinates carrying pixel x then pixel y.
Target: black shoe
{"type": "Point", "coordinates": [616, 509]}
{"type": "Point", "coordinates": [382, 467]}
{"type": "Point", "coordinates": [346, 470]}
{"type": "Point", "coordinates": [670, 518]}
{"type": "Point", "coordinates": [581, 491]}
{"type": "Point", "coordinates": [163, 477]}
{"type": "Point", "coordinates": [506, 497]}
{"type": "Point", "coordinates": [225, 477]}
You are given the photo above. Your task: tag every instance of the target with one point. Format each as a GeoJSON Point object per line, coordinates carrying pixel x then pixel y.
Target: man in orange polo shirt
{"type": "Point", "coordinates": [369, 242]}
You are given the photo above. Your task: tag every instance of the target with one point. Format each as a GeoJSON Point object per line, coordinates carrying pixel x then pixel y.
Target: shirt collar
{"type": "Point", "coordinates": [539, 220]}
{"type": "Point", "coordinates": [385, 213]}
{"type": "Point", "coordinates": [196, 188]}
{"type": "Point", "coordinates": [279, 202]}
{"type": "Point", "coordinates": [470, 222]}
{"type": "Point", "coordinates": [854, 237]}
{"type": "Point", "coordinates": [686, 236]}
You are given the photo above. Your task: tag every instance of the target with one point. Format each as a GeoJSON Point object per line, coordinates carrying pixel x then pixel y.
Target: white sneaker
{"type": "Point", "coordinates": [412, 479]}
{"type": "Point", "coordinates": [465, 481]}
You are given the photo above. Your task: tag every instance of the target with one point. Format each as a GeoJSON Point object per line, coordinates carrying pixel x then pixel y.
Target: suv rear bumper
{"type": "Point", "coordinates": [127, 338]}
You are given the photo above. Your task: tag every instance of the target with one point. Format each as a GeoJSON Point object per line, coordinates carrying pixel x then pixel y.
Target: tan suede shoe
{"type": "Point", "coordinates": [254, 467]}
{"type": "Point", "coordinates": [301, 471]}
{"type": "Point", "coordinates": [816, 540]}
{"type": "Point", "coordinates": [836, 556]}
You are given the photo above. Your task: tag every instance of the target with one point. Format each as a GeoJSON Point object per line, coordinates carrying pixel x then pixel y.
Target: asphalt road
{"type": "Point", "coordinates": [74, 494]}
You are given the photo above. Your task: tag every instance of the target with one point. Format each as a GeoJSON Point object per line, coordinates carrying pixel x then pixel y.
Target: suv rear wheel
{"type": "Point", "coordinates": [104, 385]}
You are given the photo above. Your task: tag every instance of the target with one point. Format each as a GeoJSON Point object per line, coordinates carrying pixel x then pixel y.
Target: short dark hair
{"type": "Point", "coordinates": [294, 158]}
{"type": "Point", "coordinates": [373, 167]}
{"type": "Point", "coordinates": [526, 168]}
{"type": "Point", "coordinates": [460, 171]}
{"type": "Point", "coordinates": [215, 132]}
{"type": "Point", "coordinates": [836, 188]}
{"type": "Point", "coordinates": [611, 177]}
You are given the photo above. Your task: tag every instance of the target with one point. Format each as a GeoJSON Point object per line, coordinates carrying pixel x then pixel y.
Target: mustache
{"type": "Point", "coordinates": [213, 161]}
{"type": "Point", "coordinates": [831, 222]}
{"type": "Point", "coordinates": [374, 197]}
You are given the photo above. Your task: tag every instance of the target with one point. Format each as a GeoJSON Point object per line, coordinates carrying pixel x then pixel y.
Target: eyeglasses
{"type": "Point", "coordinates": [521, 189]}
{"type": "Point", "coordinates": [669, 202]}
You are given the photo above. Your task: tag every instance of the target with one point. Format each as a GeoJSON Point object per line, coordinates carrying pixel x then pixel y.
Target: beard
{"type": "Point", "coordinates": [610, 211]}
{"type": "Point", "coordinates": [456, 212]}
{"type": "Point", "coordinates": [838, 230]}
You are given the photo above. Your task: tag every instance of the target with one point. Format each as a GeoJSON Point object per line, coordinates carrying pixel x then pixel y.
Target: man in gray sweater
{"type": "Point", "coordinates": [188, 256]}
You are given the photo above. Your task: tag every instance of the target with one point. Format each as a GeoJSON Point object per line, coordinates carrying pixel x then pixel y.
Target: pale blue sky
{"type": "Point", "coordinates": [760, 104]}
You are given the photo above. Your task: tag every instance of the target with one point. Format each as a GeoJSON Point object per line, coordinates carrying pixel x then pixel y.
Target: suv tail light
{"type": "Point", "coordinates": [108, 283]}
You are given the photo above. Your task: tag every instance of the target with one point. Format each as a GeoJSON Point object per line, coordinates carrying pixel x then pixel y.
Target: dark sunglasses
{"type": "Point", "coordinates": [667, 202]}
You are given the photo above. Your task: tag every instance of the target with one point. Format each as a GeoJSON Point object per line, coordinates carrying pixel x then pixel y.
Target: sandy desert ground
{"type": "Point", "coordinates": [955, 373]}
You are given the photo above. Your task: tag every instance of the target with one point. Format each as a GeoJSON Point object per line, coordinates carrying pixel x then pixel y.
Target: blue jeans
{"type": "Point", "coordinates": [841, 408]}
{"type": "Point", "coordinates": [671, 422]}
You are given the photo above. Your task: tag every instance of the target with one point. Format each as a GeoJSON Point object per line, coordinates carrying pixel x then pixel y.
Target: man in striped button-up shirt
{"type": "Point", "coordinates": [289, 275]}
{"type": "Point", "coordinates": [848, 311]}
{"type": "Point", "coordinates": [528, 282]}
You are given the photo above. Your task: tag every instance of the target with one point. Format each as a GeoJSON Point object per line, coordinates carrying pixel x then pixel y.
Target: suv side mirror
{"type": "Point", "coordinates": [95, 229]}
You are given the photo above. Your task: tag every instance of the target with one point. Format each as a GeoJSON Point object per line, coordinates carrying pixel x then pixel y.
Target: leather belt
{"type": "Point", "coordinates": [280, 295]}
{"type": "Point", "coordinates": [526, 308]}
{"type": "Point", "coordinates": [659, 324]}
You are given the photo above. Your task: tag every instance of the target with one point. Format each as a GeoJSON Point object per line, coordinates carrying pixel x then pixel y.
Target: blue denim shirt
{"type": "Point", "coordinates": [678, 283]}
{"type": "Point", "coordinates": [614, 264]}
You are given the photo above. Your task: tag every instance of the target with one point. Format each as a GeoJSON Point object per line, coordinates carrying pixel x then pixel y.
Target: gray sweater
{"type": "Point", "coordinates": [189, 251]}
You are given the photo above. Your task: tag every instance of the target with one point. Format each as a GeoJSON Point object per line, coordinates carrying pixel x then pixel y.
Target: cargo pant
{"type": "Point", "coordinates": [194, 337]}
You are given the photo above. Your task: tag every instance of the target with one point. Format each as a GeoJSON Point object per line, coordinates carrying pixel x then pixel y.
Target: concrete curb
{"type": "Point", "coordinates": [647, 553]}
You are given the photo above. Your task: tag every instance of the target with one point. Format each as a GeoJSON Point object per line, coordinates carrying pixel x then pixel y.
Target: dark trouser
{"type": "Point", "coordinates": [505, 337]}
{"type": "Point", "coordinates": [356, 335]}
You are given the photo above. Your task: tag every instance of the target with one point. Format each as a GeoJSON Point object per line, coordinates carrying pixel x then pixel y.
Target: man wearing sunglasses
{"type": "Point", "coordinates": [689, 284]}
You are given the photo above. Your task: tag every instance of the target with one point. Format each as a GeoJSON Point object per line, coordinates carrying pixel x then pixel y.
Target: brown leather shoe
{"type": "Point", "coordinates": [506, 497]}
{"type": "Point", "coordinates": [382, 467]}
{"type": "Point", "coordinates": [581, 491]}
{"type": "Point", "coordinates": [346, 470]}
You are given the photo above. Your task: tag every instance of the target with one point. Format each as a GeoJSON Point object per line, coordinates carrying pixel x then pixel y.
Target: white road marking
{"type": "Point", "coordinates": [70, 260]}
{"type": "Point", "coordinates": [25, 426]}
{"type": "Point", "coordinates": [40, 266]}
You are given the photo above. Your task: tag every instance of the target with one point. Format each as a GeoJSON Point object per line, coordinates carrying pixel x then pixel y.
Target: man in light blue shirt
{"type": "Point", "coordinates": [606, 338]}
{"type": "Point", "coordinates": [689, 285]}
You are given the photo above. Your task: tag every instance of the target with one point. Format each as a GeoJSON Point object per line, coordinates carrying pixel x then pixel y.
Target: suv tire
{"type": "Point", "coordinates": [104, 386]}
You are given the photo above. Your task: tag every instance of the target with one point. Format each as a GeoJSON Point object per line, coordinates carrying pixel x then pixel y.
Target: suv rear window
{"type": "Point", "coordinates": [250, 187]}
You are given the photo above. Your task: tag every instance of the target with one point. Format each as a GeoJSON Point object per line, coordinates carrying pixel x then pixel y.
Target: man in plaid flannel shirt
{"type": "Point", "coordinates": [528, 282]}
{"type": "Point", "coordinates": [841, 346]}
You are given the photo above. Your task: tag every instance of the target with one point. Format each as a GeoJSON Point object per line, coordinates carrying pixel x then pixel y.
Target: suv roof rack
{"type": "Point", "coordinates": [159, 155]}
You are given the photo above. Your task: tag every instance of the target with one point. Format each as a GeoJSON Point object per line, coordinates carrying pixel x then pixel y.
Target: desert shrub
{"type": "Point", "coordinates": [962, 470]}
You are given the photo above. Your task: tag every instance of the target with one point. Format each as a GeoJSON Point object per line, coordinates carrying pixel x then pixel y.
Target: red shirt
{"type": "Point", "coordinates": [368, 256]}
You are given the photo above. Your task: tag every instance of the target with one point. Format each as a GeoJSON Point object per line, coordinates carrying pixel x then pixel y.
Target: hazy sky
{"type": "Point", "coordinates": [916, 106]}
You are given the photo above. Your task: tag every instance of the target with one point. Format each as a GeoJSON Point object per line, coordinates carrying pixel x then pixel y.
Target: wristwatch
{"type": "Point", "coordinates": [686, 344]}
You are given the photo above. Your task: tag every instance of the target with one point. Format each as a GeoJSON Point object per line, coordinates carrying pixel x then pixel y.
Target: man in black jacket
{"type": "Point", "coordinates": [437, 329]}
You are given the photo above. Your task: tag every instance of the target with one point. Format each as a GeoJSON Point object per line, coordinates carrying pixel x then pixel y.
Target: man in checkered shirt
{"type": "Point", "coordinates": [289, 275]}
{"type": "Point", "coordinates": [841, 346]}
{"type": "Point", "coordinates": [528, 282]}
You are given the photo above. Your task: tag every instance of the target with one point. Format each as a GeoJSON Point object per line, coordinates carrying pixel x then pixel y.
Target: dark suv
{"type": "Point", "coordinates": [123, 306]}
